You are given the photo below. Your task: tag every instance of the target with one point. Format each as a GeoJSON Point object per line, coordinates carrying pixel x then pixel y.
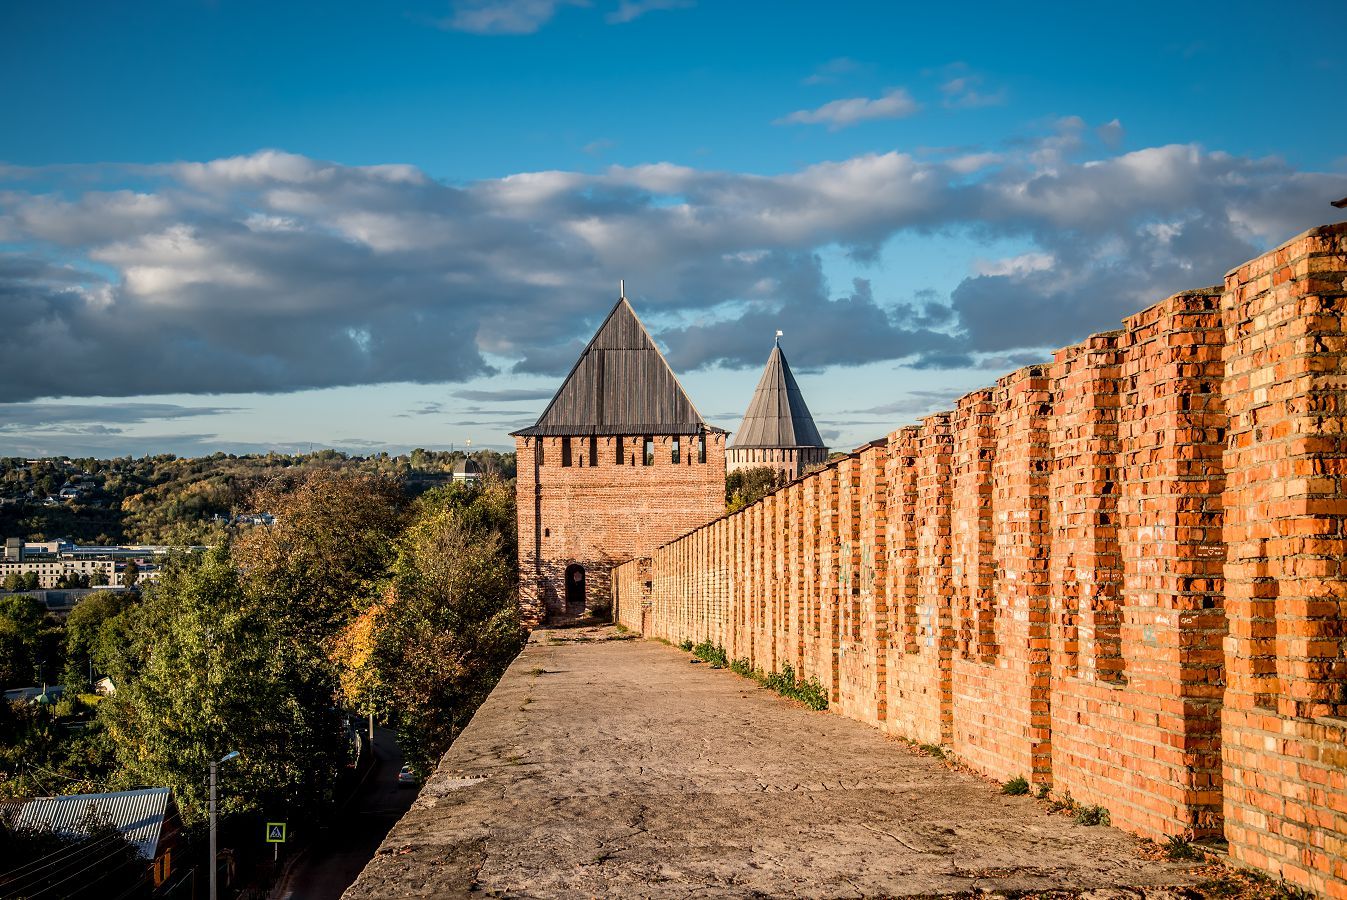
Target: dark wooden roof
{"type": "Point", "coordinates": [777, 415]}
{"type": "Point", "coordinates": [620, 385]}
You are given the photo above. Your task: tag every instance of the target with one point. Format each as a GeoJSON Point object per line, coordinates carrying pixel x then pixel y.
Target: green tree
{"type": "Point", "coordinates": [450, 623]}
{"type": "Point", "coordinates": [13, 582]}
{"type": "Point", "coordinates": [746, 486]}
{"type": "Point", "coordinates": [29, 642]}
{"type": "Point", "coordinates": [130, 574]}
{"type": "Point", "coordinates": [82, 628]}
{"type": "Point", "coordinates": [324, 558]}
{"type": "Point", "coordinates": [212, 673]}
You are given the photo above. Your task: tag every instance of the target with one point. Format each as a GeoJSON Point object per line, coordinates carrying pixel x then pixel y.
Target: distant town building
{"type": "Point", "coordinates": [777, 432]}
{"type": "Point", "coordinates": [53, 561]}
{"type": "Point", "coordinates": [618, 463]}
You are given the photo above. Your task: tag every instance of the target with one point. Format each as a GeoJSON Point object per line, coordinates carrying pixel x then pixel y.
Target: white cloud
{"type": "Point", "coordinates": [628, 10]}
{"type": "Point", "coordinates": [965, 92]}
{"type": "Point", "coordinates": [504, 16]}
{"type": "Point", "coordinates": [259, 273]}
{"type": "Point", "coordinates": [895, 103]}
{"type": "Point", "coordinates": [1111, 133]}
{"type": "Point", "coordinates": [833, 70]}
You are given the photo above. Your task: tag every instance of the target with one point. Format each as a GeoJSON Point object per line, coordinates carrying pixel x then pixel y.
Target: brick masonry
{"type": "Point", "coordinates": [1121, 574]}
{"type": "Point", "coordinates": [597, 512]}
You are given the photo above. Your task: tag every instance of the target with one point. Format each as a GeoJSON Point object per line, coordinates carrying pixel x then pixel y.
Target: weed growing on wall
{"type": "Point", "coordinates": [787, 682]}
{"type": "Point", "coordinates": [712, 653]}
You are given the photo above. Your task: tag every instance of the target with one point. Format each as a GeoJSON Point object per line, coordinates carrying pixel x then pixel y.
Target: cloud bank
{"type": "Point", "coordinates": [274, 272]}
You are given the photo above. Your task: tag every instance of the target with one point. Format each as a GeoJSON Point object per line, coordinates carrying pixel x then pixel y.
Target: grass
{"type": "Point", "coordinates": [932, 750]}
{"type": "Point", "coordinates": [1178, 848]}
{"type": "Point", "coordinates": [787, 682]}
{"type": "Point", "coordinates": [1092, 815]}
{"type": "Point", "coordinates": [1015, 787]}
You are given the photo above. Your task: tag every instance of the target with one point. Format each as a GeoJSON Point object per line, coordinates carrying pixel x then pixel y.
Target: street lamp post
{"type": "Point", "coordinates": [214, 862]}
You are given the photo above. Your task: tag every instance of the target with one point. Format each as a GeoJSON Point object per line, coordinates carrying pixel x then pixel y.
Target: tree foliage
{"type": "Point", "coordinates": [330, 547]}
{"type": "Point", "coordinates": [745, 486]}
{"type": "Point", "coordinates": [30, 642]}
{"type": "Point", "coordinates": [449, 624]}
{"type": "Point", "coordinates": [214, 674]}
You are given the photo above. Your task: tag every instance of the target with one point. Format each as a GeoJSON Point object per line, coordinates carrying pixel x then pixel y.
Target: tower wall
{"type": "Point", "coordinates": [603, 514]}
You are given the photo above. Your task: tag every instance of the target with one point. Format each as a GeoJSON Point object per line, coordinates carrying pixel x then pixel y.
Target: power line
{"type": "Point", "coordinates": [96, 862]}
{"type": "Point", "coordinates": [78, 847]}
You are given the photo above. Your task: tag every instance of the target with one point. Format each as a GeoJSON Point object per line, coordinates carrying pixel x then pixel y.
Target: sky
{"type": "Point", "coordinates": [249, 226]}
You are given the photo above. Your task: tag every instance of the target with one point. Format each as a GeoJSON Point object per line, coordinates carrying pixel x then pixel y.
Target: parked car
{"type": "Point", "coordinates": [407, 777]}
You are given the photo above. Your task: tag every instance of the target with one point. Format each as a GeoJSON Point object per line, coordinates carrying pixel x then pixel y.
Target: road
{"type": "Point", "coordinates": [333, 861]}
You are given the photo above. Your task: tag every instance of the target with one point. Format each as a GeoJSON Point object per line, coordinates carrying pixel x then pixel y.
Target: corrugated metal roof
{"type": "Point", "coordinates": [620, 385]}
{"type": "Point", "coordinates": [777, 415]}
{"type": "Point", "coordinates": [137, 814]}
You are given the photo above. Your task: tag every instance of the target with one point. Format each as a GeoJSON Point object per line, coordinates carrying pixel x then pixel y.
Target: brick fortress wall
{"type": "Point", "coordinates": [1121, 574]}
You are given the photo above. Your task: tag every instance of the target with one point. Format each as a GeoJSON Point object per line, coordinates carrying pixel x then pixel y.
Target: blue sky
{"type": "Point", "coordinates": [245, 226]}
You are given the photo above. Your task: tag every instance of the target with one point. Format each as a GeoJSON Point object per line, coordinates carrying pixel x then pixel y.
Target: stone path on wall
{"type": "Point", "coordinates": [606, 766]}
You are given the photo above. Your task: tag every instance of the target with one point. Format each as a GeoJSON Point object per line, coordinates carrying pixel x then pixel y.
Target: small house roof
{"type": "Point", "coordinates": [467, 467]}
{"type": "Point", "coordinates": [621, 384]}
{"type": "Point", "coordinates": [139, 815]}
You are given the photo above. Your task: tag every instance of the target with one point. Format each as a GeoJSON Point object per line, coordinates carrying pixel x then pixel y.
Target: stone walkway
{"type": "Point", "coordinates": [611, 767]}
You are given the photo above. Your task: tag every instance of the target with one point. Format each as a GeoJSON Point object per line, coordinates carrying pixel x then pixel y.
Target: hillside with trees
{"type": "Point", "coordinates": [172, 500]}
{"type": "Point", "coordinates": [358, 600]}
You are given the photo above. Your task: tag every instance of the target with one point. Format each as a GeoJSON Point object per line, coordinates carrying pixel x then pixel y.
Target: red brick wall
{"type": "Point", "coordinates": [1284, 735]}
{"type": "Point", "coordinates": [1123, 574]}
{"type": "Point", "coordinates": [598, 516]}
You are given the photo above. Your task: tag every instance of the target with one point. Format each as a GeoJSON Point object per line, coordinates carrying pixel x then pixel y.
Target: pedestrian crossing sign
{"type": "Point", "coordinates": [275, 832]}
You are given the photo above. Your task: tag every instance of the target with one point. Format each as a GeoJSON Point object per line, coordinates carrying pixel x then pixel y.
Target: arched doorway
{"type": "Point", "coordinates": [575, 587]}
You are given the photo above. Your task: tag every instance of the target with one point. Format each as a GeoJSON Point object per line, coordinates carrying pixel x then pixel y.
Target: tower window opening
{"type": "Point", "coordinates": [649, 450]}
{"type": "Point", "coordinates": [674, 453]}
{"type": "Point", "coordinates": [701, 448]}
{"type": "Point", "coordinates": [593, 451]}
{"type": "Point", "coordinates": [565, 451]}
{"type": "Point", "coordinates": [617, 443]}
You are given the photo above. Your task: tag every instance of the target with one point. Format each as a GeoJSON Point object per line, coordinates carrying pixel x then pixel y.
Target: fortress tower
{"type": "Point", "coordinates": [619, 463]}
{"type": "Point", "coordinates": [778, 432]}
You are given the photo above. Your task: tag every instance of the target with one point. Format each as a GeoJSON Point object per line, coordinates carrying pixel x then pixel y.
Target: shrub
{"type": "Point", "coordinates": [1016, 786]}
{"type": "Point", "coordinates": [712, 653]}
{"type": "Point", "coordinates": [1092, 815]}
{"type": "Point", "coordinates": [686, 645]}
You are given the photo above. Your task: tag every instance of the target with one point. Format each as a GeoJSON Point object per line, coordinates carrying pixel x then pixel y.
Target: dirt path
{"type": "Point", "coordinates": [602, 767]}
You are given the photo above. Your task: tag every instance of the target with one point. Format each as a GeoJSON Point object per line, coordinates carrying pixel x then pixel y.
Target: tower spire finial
{"type": "Point", "coordinates": [622, 289]}
{"type": "Point", "coordinates": [779, 332]}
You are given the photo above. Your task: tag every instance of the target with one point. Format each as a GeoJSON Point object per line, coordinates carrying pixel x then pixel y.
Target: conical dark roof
{"type": "Point", "coordinates": [777, 415]}
{"type": "Point", "coordinates": [620, 385]}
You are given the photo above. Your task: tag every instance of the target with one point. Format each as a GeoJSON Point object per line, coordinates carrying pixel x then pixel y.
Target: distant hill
{"type": "Point", "coordinates": [173, 500]}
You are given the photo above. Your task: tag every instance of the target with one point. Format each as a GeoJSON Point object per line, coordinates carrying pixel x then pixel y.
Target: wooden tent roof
{"type": "Point", "coordinates": [777, 415]}
{"type": "Point", "coordinates": [620, 385]}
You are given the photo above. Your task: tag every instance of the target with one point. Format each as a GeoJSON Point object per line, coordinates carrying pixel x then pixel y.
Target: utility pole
{"type": "Point", "coordinates": [214, 859]}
